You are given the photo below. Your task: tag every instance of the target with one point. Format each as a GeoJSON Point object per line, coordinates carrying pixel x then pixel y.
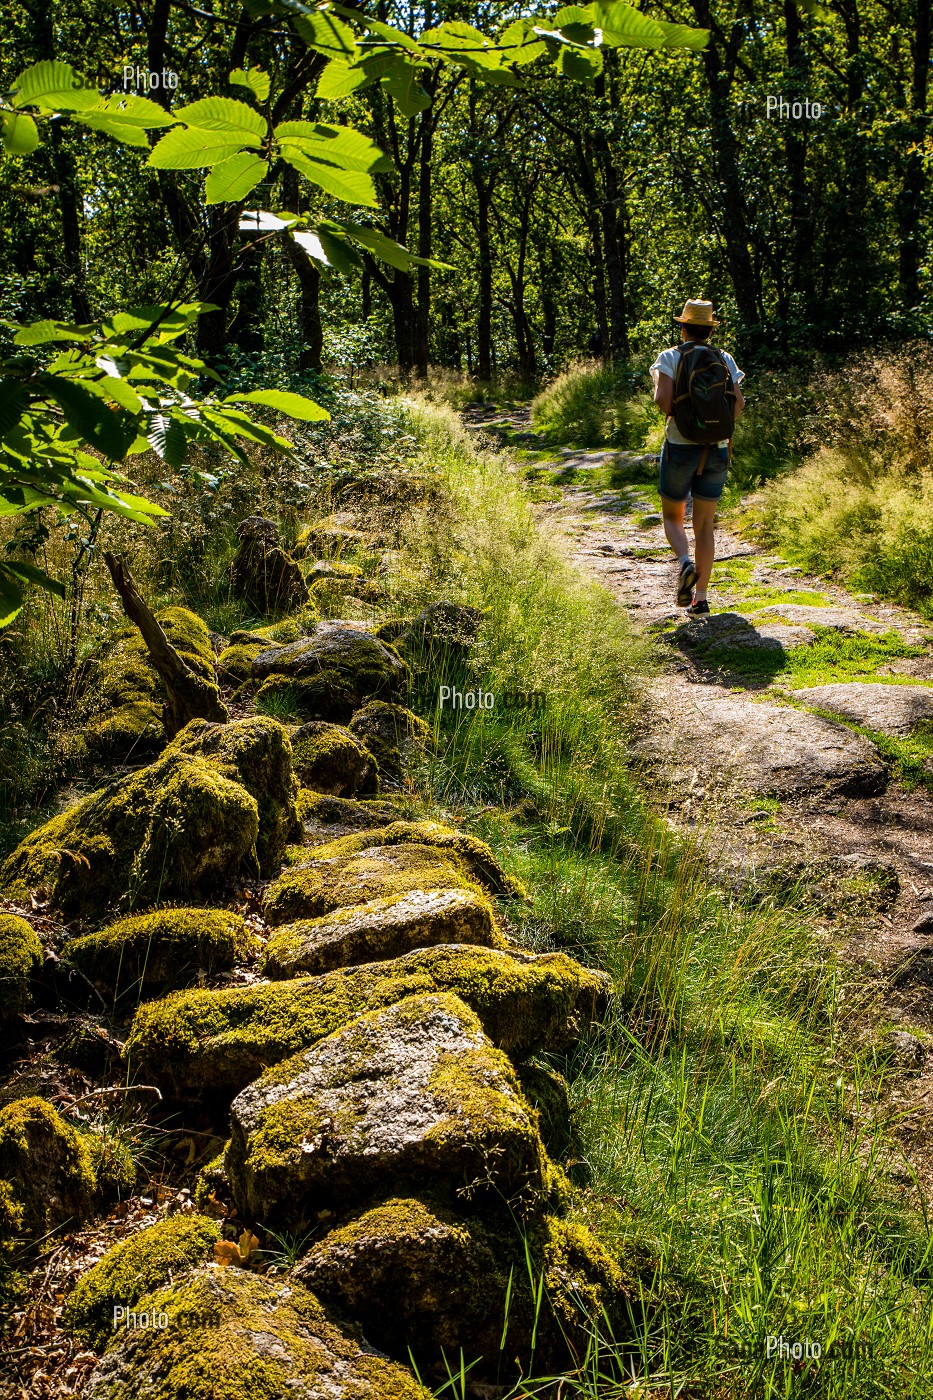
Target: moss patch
{"type": "Point", "coordinates": [162, 949]}
{"type": "Point", "coordinates": [20, 958]}
{"type": "Point", "coordinates": [235, 662]}
{"type": "Point", "coordinates": [475, 854]}
{"type": "Point", "coordinates": [320, 814]}
{"type": "Point", "coordinates": [163, 832]}
{"type": "Point", "coordinates": [391, 733]}
{"type": "Point", "coordinates": [336, 671]}
{"type": "Point", "coordinates": [135, 1266]}
{"type": "Point", "coordinates": [47, 1168]}
{"type": "Point", "coordinates": [224, 1039]}
{"type": "Point", "coordinates": [329, 759]}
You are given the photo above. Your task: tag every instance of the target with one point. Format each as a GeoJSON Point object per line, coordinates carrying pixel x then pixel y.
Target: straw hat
{"type": "Point", "coordinates": [697, 313]}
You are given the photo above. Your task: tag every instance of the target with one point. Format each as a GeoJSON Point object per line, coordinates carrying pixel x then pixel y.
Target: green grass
{"type": "Point", "coordinates": [833, 656]}
{"type": "Point", "coordinates": [728, 1118]}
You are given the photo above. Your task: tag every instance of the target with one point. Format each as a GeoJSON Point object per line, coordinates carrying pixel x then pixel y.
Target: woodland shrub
{"type": "Point", "coordinates": [595, 405]}
{"type": "Point", "coordinates": [861, 506]}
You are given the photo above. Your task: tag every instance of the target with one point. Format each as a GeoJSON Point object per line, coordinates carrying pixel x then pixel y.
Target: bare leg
{"type": "Point", "coordinates": [704, 513]}
{"type": "Point", "coordinates": [673, 515]}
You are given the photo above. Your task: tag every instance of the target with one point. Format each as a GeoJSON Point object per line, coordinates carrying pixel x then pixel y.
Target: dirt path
{"type": "Point", "coordinates": [784, 719]}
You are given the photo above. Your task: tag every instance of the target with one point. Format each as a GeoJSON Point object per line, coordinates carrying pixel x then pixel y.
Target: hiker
{"type": "Point", "coordinates": [698, 387]}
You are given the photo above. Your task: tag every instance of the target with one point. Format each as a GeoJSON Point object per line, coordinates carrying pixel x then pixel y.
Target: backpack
{"type": "Point", "coordinates": [704, 395]}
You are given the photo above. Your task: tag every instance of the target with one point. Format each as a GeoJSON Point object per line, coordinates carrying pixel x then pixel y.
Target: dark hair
{"type": "Point", "coordinates": [699, 332]}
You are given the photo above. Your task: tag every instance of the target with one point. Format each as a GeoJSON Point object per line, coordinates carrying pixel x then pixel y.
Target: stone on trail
{"type": "Point", "coordinates": [770, 750]}
{"type": "Point", "coordinates": [415, 1092]}
{"type": "Point", "coordinates": [890, 709]}
{"type": "Point", "coordinates": [418, 1275]}
{"type": "Point", "coordinates": [383, 928]}
{"type": "Point", "coordinates": [317, 887]}
{"type": "Point", "coordinates": [735, 630]}
{"type": "Point", "coordinates": [335, 671]}
{"type": "Point", "coordinates": [230, 1334]}
{"type": "Point", "coordinates": [330, 760]}
{"type": "Point", "coordinates": [164, 832]}
{"type": "Point", "coordinates": [201, 1041]}
{"type": "Point", "coordinates": [838, 619]}
{"type": "Point", "coordinates": [324, 818]}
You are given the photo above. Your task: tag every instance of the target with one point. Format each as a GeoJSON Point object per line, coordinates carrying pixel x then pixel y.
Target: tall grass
{"type": "Point", "coordinates": [861, 506]}
{"type": "Point", "coordinates": [730, 1130]}
{"type": "Point", "coordinates": [595, 405]}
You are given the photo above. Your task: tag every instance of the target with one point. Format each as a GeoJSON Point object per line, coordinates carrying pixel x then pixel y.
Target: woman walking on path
{"type": "Point", "coordinates": [698, 387]}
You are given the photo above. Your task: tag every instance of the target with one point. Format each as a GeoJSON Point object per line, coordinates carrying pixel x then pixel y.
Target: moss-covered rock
{"type": "Point", "coordinates": [164, 832]}
{"type": "Point", "coordinates": [20, 958]}
{"type": "Point", "coordinates": [255, 752]}
{"type": "Point", "coordinates": [329, 759]}
{"type": "Point", "coordinates": [222, 1039]}
{"type": "Point", "coordinates": [229, 1334]}
{"type": "Point", "coordinates": [47, 1168]}
{"type": "Point", "coordinates": [328, 537]}
{"type": "Point", "coordinates": [425, 1278]}
{"type": "Point", "coordinates": [337, 669]}
{"type": "Point", "coordinates": [124, 691]}
{"type": "Point", "coordinates": [392, 734]}
{"type": "Point", "coordinates": [262, 572]}
{"type": "Point", "coordinates": [475, 854]}
{"type": "Point", "coordinates": [148, 953]}
{"type": "Point", "coordinates": [137, 1265]}
{"type": "Point", "coordinates": [547, 1091]}
{"type": "Point", "coordinates": [383, 928]}
{"type": "Point", "coordinates": [412, 1092]}
{"type": "Point", "coordinates": [235, 662]}
{"type": "Point", "coordinates": [316, 888]}
{"type": "Point", "coordinates": [324, 818]}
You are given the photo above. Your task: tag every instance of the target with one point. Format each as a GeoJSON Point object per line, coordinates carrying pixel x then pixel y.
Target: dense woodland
{"type": "Point", "coordinates": [566, 211]}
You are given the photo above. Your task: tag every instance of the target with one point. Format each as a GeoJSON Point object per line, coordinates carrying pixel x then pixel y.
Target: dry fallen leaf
{"type": "Point", "coordinates": [226, 1253]}
{"type": "Point", "coordinates": [247, 1245]}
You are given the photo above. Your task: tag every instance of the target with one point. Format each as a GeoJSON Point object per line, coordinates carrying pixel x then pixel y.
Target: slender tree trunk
{"type": "Point", "coordinates": [425, 211]}
{"type": "Point", "coordinates": [309, 308]}
{"type": "Point", "coordinates": [910, 203]}
{"type": "Point", "coordinates": [484, 248]}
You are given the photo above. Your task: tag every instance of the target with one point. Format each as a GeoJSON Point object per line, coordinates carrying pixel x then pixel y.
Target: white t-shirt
{"type": "Point", "coordinates": [666, 363]}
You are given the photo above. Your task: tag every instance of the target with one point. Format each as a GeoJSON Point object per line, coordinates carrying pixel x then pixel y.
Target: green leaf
{"type": "Point", "coordinates": [30, 574]}
{"type": "Point", "coordinates": [625, 27]}
{"type": "Point", "coordinates": [232, 179]}
{"type": "Point", "coordinates": [403, 85]}
{"type": "Point", "coordinates": [326, 33]}
{"type": "Point", "coordinates": [335, 145]}
{"type": "Point", "coordinates": [375, 26]}
{"type": "Point", "coordinates": [13, 402]}
{"type": "Point", "coordinates": [683, 36]}
{"type": "Point", "coordinates": [339, 79]}
{"type": "Point", "coordinates": [54, 87]}
{"type": "Point", "coordinates": [255, 79]}
{"type": "Point", "coordinates": [11, 596]}
{"type": "Point", "coordinates": [384, 247]}
{"type": "Point", "coordinates": [126, 118]}
{"type": "Point", "coordinates": [42, 332]}
{"type": "Point", "coordinates": [166, 437]}
{"type": "Point", "coordinates": [352, 186]}
{"type": "Point", "coordinates": [227, 115]}
{"type": "Point", "coordinates": [119, 392]}
{"type": "Point", "coordinates": [311, 244]}
{"type": "Point", "coordinates": [20, 134]}
{"type": "Point", "coordinates": [167, 321]}
{"type": "Point", "coordinates": [456, 37]}
{"type": "Point", "coordinates": [187, 148]}
{"type": "Point", "coordinates": [580, 64]}
{"type": "Point", "coordinates": [339, 254]}
{"type": "Point", "coordinates": [89, 417]}
{"type": "Point", "coordinates": [294, 405]}
{"type": "Point", "coordinates": [522, 43]}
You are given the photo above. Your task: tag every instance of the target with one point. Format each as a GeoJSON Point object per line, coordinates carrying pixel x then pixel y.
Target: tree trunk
{"type": "Point", "coordinates": [484, 245]}
{"type": "Point", "coordinates": [189, 696]}
{"type": "Point", "coordinates": [910, 203]}
{"type": "Point", "coordinates": [422, 335]}
{"type": "Point", "coordinates": [309, 286]}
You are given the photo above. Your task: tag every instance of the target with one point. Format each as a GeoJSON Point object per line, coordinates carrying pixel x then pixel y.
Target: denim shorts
{"type": "Point", "coordinates": [679, 462]}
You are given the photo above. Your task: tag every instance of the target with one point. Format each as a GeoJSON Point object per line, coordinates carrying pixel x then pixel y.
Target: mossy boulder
{"type": "Point", "coordinates": [392, 734]}
{"type": "Point", "coordinates": [220, 1040]}
{"type": "Point", "coordinates": [153, 952]}
{"type": "Point", "coordinates": [329, 759]}
{"type": "Point", "coordinates": [235, 662]}
{"type": "Point", "coordinates": [125, 693]}
{"type": "Point", "coordinates": [325, 818]}
{"type": "Point", "coordinates": [137, 1265]}
{"type": "Point", "coordinates": [413, 1092]}
{"type": "Point", "coordinates": [475, 855]}
{"type": "Point", "coordinates": [20, 958]}
{"type": "Point", "coordinates": [229, 1334]}
{"type": "Point", "coordinates": [423, 1277]}
{"type": "Point", "coordinates": [262, 572]}
{"type": "Point", "coordinates": [166, 831]}
{"type": "Point", "coordinates": [255, 752]}
{"type": "Point", "coordinates": [47, 1169]}
{"type": "Point", "coordinates": [337, 669]}
{"type": "Point", "coordinates": [317, 887]}
{"type": "Point", "coordinates": [383, 928]}
{"type": "Point", "coordinates": [548, 1093]}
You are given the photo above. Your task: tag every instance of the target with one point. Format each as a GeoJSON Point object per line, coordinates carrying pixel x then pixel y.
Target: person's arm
{"type": "Point", "coordinates": [664, 393]}
{"type": "Point", "coordinates": [739, 399]}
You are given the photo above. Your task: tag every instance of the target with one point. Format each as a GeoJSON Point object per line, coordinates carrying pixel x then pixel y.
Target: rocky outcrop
{"type": "Point", "coordinates": [890, 709]}
{"type": "Point", "coordinates": [320, 886]}
{"type": "Point", "coordinates": [334, 672]}
{"type": "Point", "coordinates": [330, 760]}
{"type": "Point", "coordinates": [526, 1003]}
{"type": "Point", "coordinates": [475, 855]}
{"type": "Point", "coordinates": [262, 572]}
{"type": "Point", "coordinates": [415, 1092]}
{"type": "Point", "coordinates": [383, 928]}
{"type": "Point", "coordinates": [392, 734]}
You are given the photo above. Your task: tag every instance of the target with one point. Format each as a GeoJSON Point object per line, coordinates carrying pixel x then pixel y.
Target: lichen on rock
{"type": "Point", "coordinates": [162, 949]}
{"type": "Point", "coordinates": [256, 753]}
{"type": "Point", "coordinates": [163, 832]}
{"type": "Point", "coordinates": [229, 1334]}
{"type": "Point", "coordinates": [223, 1039]}
{"type": "Point", "coordinates": [475, 854]}
{"type": "Point", "coordinates": [336, 670]}
{"type": "Point", "coordinates": [315, 888]}
{"type": "Point", "coordinates": [20, 959]}
{"type": "Point", "coordinates": [412, 1091]}
{"type": "Point", "coordinates": [392, 733]}
{"type": "Point", "coordinates": [325, 818]}
{"type": "Point", "coordinates": [47, 1171]}
{"type": "Point", "coordinates": [330, 760]}
{"type": "Point", "coordinates": [137, 1265]}
{"type": "Point", "coordinates": [382, 928]}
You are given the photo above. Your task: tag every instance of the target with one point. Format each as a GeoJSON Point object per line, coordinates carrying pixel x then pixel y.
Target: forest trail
{"type": "Point", "coordinates": [778, 727]}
